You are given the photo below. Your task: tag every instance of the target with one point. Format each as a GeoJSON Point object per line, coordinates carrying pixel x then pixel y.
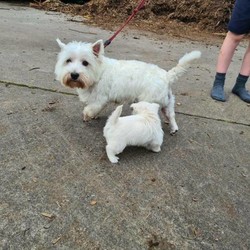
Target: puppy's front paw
{"type": "Point", "coordinates": [113, 159]}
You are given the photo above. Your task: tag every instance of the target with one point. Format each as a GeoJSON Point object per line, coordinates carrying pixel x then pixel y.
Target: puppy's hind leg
{"type": "Point", "coordinates": [155, 144]}
{"type": "Point", "coordinates": [111, 154]}
{"type": "Point", "coordinates": [170, 114]}
{"type": "Point", "coordinates": [112, 150]}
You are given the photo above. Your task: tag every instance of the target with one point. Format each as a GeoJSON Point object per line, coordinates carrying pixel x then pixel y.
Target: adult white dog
{"type": "Point", "coordinates": [99, 79]}
{"type": "Point", "coordinates": [142, 128]}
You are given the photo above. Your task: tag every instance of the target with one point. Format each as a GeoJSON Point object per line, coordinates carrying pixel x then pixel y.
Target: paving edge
{"type": "Point", "coordinates": [22, 85]}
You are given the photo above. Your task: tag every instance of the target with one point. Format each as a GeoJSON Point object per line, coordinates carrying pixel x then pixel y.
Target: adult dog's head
{"type": "Point", "coordinates": [79, 64]}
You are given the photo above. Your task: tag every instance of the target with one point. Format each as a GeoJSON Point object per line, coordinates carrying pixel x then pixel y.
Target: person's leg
{"type": "Point", "coordinates": [245, 67]}
{"type": "Point", "coordinates": [227, 50]}
{"type": "Point", "coordinates": [240, 86]}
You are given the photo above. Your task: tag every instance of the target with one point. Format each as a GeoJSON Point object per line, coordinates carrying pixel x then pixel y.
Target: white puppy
{"type": "Point", "coordinates": [99, 79]}
{"type": "Point", "coordinates": [143, 128]}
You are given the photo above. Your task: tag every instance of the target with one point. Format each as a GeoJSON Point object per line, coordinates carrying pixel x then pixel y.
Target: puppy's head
{"type": "Point", "coordinates": [141, 107]}
{"type": "Point", "coordinates": [79, 64]}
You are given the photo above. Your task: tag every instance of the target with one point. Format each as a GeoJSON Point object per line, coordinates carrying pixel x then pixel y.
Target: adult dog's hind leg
{"type": "Point", "coordinates": [163, 110]}
{"type": "Point", "coordinates": [170, 113]}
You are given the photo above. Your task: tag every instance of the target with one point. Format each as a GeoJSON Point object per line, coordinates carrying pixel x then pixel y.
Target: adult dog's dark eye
{"type": "Point", "coordinates": [85, 63]}
{"type": "Point", "coordinates": [68, 61]}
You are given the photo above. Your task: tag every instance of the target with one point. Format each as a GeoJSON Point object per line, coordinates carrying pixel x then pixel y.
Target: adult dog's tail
{"type": "Point", "coordinates": [182, 66]}
{"type": "Point", "coordinates": [115, 115]}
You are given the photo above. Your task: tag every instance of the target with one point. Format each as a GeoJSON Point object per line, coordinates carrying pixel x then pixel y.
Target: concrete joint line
{"type": "Point", "coordinates": [214, 119]}
{"type": "Point", "coordinates": [22, 85]}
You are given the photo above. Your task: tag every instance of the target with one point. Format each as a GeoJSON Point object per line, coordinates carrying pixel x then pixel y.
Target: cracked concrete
{"type": "Point", "coordinates": [57, 188]}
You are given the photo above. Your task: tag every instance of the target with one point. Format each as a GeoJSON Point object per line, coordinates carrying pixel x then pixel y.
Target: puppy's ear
{"type": "Point", "coordinates": [61, 44]}
{"type": "Point", "coordinates": [98, 48]}
{"type": "Point", "coordinates": [133, 108]}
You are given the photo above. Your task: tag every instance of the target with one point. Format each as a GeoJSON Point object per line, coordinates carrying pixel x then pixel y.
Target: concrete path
{"type": "Point", "coordinates": [57, 188]}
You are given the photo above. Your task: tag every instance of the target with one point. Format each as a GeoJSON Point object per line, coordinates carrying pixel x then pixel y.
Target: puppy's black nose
{"type": "Point", "coordinates": [74, 76]}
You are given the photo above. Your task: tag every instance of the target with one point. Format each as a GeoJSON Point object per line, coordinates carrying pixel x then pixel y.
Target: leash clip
{"type": "Point", "coordinates": [107, 42]}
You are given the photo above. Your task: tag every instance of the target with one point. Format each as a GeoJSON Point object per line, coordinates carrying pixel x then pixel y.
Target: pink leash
{"type": "Point", "coordinates": [140, 5]}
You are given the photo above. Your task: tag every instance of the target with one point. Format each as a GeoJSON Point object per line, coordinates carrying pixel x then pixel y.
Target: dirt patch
{"type": "Point", "coordinates": [185, 18]}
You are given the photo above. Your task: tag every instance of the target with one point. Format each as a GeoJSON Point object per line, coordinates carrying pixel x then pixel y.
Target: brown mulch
{"type": "Point", "coordinates": [173, 17]}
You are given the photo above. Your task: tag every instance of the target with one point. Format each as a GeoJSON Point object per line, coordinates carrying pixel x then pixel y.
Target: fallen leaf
{"type": "Point", "coordinates": [197, 232]}
{"type": "Point", "coordinates": [92, 203]}
{"type": "Point", "coordinates": [52, 102]}
{"type": "Point", "coordinates": [48, 215]}
{"type": "Point", "coordinates": [56, 240]}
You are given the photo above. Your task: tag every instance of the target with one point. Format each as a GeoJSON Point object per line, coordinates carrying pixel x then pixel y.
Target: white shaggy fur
{"type": "Point", "coordinates": [99, 79]}
{"type": "Point", "coordinates": [143, 128]}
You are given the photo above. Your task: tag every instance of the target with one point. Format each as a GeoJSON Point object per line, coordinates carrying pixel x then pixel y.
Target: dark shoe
{"type": "Point", "coordinates": [242, 93]}
{"type": "Point", "coordinates": [217, 93]}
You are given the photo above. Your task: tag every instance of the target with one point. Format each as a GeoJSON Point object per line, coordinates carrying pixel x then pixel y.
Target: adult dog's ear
{"type": "Point", "coordinates": [61, 44]}
{"type": "Point", "coordinates": [98, 48]}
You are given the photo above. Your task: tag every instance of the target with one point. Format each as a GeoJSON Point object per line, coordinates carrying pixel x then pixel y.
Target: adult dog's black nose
{"type": "Point", "coordinates": [74, 76]}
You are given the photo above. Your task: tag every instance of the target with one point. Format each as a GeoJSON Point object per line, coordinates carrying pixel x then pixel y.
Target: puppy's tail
{"type": "Point", "coordinates": [182, 66]}
{"type": "Point", "coordinates": [115, 115]}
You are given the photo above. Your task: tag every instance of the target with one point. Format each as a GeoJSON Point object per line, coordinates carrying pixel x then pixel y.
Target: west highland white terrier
{"type": "Point", "coordinates": [99, 79]}
{"type": "Point", "coordinates": [142, 128]}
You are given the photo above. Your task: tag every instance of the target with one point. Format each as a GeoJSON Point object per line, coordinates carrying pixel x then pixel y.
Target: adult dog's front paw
{"type": "Point", "coordinates": [86, 118]}
{"type": "Point", "coordinates": [88, 114]}
{"type": "Point", "coordinates": [173, 131]}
